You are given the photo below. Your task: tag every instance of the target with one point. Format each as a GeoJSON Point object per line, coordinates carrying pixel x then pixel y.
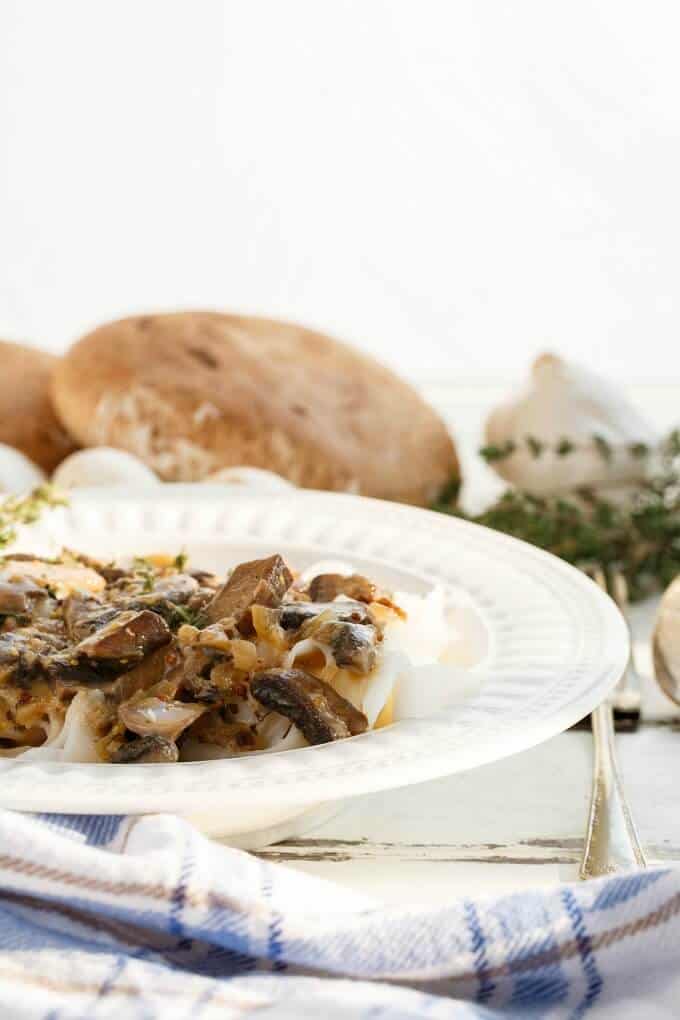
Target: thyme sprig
{"type": "Point", "coordinates": [638, 533]}
{"type": "Point", "coordinates": [26, 509]}
{"type": "Point", "coordinates": [563, 447]}
{"type": "Point", "coordinates": [145, 571]}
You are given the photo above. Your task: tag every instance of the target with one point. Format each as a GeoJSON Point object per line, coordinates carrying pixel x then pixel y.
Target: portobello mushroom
{"type": "Point", "coordinates": [258, 582]}
{"type": "Point", "coordinates": [316, 708]}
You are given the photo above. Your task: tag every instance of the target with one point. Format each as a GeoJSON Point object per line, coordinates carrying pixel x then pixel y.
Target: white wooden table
{"type": "Point", "coordinates": [518, 822]}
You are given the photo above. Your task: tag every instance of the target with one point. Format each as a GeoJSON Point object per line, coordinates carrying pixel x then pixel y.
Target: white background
{"type": "Point", "coordinates": [451, 185]}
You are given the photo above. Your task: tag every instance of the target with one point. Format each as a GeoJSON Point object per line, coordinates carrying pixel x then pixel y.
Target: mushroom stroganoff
{"type": "Point", "coordinates": [157, 662]}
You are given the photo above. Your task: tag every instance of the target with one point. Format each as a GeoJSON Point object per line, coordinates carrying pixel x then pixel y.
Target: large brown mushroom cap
{"type": "Point", "coordinates": [27, 421]}
{"type": "Point", "coordinates": [191, 392]}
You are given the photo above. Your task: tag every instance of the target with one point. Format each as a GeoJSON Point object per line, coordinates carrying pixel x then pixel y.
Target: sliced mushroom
{"type": "Point", "coordinates": [326, 587]}
{"type": "Point", "coordinates": [293, 615]}
{"type": "Point", "coordinates": [24, 651]}
{"type": "Point", "coordinates": [206, 579]}
{"type": "Point", "coordinates": [68, 670]}
{"type": "Point", "coordinates": [176, 589]}
{"type": "Point", "coordinates": [152, 716]}
{"type": "Point", "coordinates": [83, 615]}
{"type": "Point", "coordinates": [258, 582]}
{"type": "Point", "coordinates": [318, 711]}
{"type": "Point", "coordinates": [352, 645]}
{"type": "Point", "coordinates": [18, 597]}
{"type": "Point", "coordinates": [284, 626]}
{"type": "Point", "coordinates": [127, 638]}
{"type": "Point", "coordinates": [159, 673]}
{"type": "Point", "coordinates": [146, 750]}
{"type": "Point", "coordinates": [19, 657]}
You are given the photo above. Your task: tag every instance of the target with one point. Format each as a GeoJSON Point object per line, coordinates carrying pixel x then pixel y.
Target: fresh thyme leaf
{"type": "Point", "coordinates": [671, 446]}
{"type": "Point", "coordinates": [565, 446]}
{"type": "Point", "coordinates": [17, 510]}
{"type": "Point", "coordinates": [493, 453]}
{"type": "Point", "coordinates": [535, 446]}
{"type": "Point", "coordinates": [183, 614]}
{"type": "Point", "coordinates": [603, 447]}
{"type": "Point", "coordinates": [638, 450]}
{"type": "Point", "coordinates": [181, 560]}
{"type": "Point", "coordinates": [450, 492]}
{"type": "Point", "coordinates": [145, 571]}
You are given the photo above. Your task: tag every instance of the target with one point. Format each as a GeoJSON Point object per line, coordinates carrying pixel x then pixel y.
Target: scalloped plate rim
{"type": "Point", "coordinates": [411, 751]}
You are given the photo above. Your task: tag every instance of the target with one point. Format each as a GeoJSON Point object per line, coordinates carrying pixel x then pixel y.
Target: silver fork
{"type": "Point", "coordinates": [626, 697]}
{"type": "Point", "coordinates": [612, 843]}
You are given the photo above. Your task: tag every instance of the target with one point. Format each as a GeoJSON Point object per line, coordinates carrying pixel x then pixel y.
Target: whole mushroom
{"type": "Point", "coordinates": [105, 466]}
{"type": "Point", "coordinates": [17, 472]}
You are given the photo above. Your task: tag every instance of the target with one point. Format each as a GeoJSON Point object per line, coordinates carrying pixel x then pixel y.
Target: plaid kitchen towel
{"type": "Point", "coordinates": [139, 918]}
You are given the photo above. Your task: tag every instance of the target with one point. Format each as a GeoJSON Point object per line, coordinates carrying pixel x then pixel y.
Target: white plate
{"type": "Point", "coordinates": [557, 646]}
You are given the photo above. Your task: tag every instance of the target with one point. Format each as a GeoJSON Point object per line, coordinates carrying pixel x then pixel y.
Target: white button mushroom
{"type": "Point", "coordinates": [103, 466]}
{"type": "Point", "coordinates": [17, 472]}
{"type": "Point", "coordinates": [587, 432]}
{"type": "Point", "coordinates": [250, 478]}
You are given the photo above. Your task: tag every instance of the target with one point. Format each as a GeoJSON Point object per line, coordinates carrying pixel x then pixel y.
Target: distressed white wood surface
{"type": "Point", "coordinates": [518, 822]}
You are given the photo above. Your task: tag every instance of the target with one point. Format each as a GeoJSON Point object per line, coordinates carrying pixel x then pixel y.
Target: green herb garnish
{"type": "Point", "coordinates": [603, 448]}
{"type": "Point", "coordinates": [181, 560]}
{"type": "Point", "coordinates": [564, 447]}
{"type": "Point", "coordinates": [18, 510]}
{"type": "Point", "coordinates": [145, 572]}
{"type": "Point", "coordinates": [639, 533]}
{"type": "Point", "coordinates": [535, 446]}
{"type": "Point", "coordinates": [639, 450]}
{"type": "Point", "coordinates": [183, 614]}
{"type": "Point", "coordinates": [494, 453]}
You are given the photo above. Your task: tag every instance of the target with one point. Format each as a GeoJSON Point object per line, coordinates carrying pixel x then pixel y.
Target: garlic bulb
{"type": "Point", "coordinates": [666, 642]}
{"type": "Point", "coordinates": [562, 403]}
{"type": "Point", "coordinates": [17, 472]}
{"type": "Point", "coordinates": [250, 478]}
{"type": "Point", "coordinates": [102, 465]}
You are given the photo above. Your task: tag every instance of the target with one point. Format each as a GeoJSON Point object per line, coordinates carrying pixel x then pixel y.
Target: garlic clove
{"type": "Point", "coordinates": [17, 472]}
{"type": "Point", "coordinates": [154, 717]}
{"type": "Point", "coordinates": [103, 466]}
{"type": "Point", "coordinates": [250, 478]}
{"type": "Point", "coordinates": [565, 401]}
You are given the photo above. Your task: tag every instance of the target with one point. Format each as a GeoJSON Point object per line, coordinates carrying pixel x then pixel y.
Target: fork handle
{"type": "Point", "coordinates": [612, 842]}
